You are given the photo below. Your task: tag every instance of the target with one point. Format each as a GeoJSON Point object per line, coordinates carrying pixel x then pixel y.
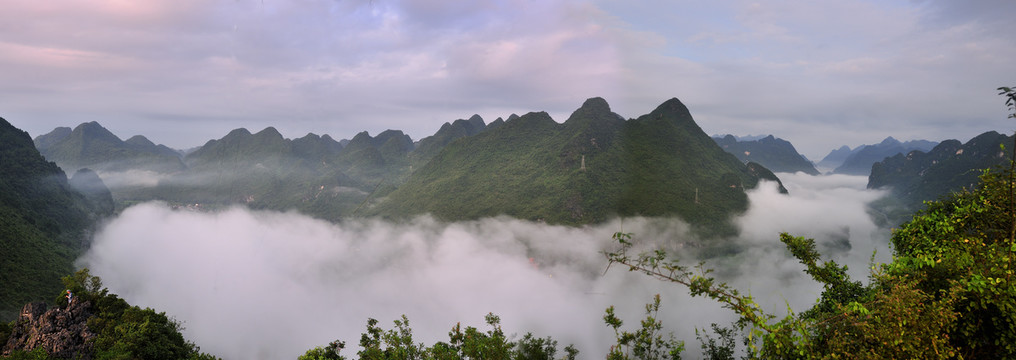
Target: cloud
{"type": "Point", "coordinates": [253, 284]}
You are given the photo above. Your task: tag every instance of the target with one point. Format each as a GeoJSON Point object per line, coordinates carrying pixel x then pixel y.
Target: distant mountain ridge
{"type": "Point", "coordinates": [769, 151]}
{"type": "Point", "coordinates": [593, 166]}
{"type": "Point", "coordinates": [860, 159]}
{"type": "Point", "coordinates": [950, 166]}
{"type": "Point", "coordinates": [90, 145]}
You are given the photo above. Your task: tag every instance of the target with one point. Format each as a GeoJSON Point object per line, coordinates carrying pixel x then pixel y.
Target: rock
{"type": "Point", "coordinates": [61, 332]}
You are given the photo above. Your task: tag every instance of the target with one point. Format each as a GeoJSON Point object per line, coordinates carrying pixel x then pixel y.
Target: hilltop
{"type": "Point", "coordinates": [594, 166]}
{"type": "Point", "coordinates": [774, 153]}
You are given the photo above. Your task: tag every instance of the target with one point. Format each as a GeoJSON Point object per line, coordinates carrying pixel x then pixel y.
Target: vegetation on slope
{"type": "Point", "coordinates": [121, 331]}
{"type": "Point", "coordinates": [774, 153]}
{"type": "Point", "coordinates": [42, 222]}
{"type": "Point", "coordinates": [593, 166]}
{"type": "Point", "coordinates": [93, 146]}
{"type": "Point", "coordinates": [922, 176]}
{"type": "Point", "coordinates": [950, 291]}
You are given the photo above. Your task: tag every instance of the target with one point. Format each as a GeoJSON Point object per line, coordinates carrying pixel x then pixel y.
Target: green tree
{"type": "Point", "coordinates": [948, 293]}
{"type": "Point", "coordinates": [468, 343]}
{"type": "Point", "coordinates": [645, 343]}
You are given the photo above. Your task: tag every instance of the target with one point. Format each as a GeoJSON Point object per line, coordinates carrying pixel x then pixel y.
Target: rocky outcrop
{"type": "Point", "coordinates": [62, 332]}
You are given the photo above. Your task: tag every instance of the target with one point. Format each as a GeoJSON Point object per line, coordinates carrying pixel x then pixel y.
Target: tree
{"type": "Point", "coordinates": [948, 293]}
{"type": "Point", "coordinates": [646, 343]}
{"type": "Point", "coordinates": [468, 343]}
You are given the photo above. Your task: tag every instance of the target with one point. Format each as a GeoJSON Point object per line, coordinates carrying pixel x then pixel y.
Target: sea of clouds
{"type": "Point", "coordinates": [270, 285]}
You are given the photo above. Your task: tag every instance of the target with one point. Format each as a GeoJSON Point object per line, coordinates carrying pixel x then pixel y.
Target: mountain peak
{"type": "Point", "coordinates": [139, 140]}
{"type": "Point", "coordinates": [890, 141]}
{"type": "Point", "coordinates": [311, 136]}
{"type": "Point", "coordinates": [596, 104]}
{"type": "Point", "coordinates": [270, 132]}
{"type": "Point", "coordinates": [92, 130]}
{"type": "Point", "coordinates": [671, 105]}
{"type": "Point", "coordinates": [45, 141]}
{"type": "Point", "coordinates": [241, 132]}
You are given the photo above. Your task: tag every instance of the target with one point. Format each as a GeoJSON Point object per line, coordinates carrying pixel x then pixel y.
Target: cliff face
{"type": "Point", "coordinates": [62, 332]}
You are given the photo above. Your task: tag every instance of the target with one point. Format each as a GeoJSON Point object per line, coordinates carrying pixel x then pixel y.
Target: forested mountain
{"type": "Point", "coordinates": [429, 146]}
{"type": "Point", "coordinates": [92, 146]}
{"type": "Point", "coordinates": [950, 166]}
{"type": "Point", "coordinates": [860, 159]}
{"type": "Point", "coordinates": [593, 166]}
{"type": "Point", "coordinates": [774, 153]}
{"type": "Point", "coordinates": [262, 170]}
{"type": "Point", "coordinates": [43, 221]}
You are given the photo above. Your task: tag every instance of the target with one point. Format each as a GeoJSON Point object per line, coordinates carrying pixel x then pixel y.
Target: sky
{"type": "Point", "coordinates": [819, 74]}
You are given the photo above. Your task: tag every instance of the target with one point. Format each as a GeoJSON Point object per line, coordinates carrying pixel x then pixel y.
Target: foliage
{"type": "Point", "coordinates": [125, 331]}
{"type": "Point", "coordinates": [470, 343]}
{"type": "Point", "coordinates": [42, 223]}
{"type": "Point", "coordinates": [915, 177]}
{"type": "Point", "coordinates": [330, 352]}
{"type": "Point", "coordinates": [962, 247]}
{"type": "Point", "coordinates": [948, 293]}
{"type": "Point", "coordinates": [724, 350]}
{"type": "Point", "coordinates": [37, 354]}
{"type": "Point", "coordinates": [646, 343]}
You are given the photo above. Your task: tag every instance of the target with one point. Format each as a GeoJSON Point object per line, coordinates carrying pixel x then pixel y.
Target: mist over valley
{"type": "Point", "coordinates": [235, 277]}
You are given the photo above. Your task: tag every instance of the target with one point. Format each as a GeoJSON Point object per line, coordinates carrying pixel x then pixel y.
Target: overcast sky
{"type": "Point", "coordinates": [818, 73]}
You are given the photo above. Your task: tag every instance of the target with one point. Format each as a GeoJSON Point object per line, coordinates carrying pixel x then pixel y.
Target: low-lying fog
{"type": "Point", "coordinates": [253, 284]}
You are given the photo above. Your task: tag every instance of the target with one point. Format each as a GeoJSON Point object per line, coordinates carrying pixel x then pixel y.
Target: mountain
{"type": "Point", "coordinates": [773, 153]}
{"type": "Point", "coordinates": [860, 160]}
{"type": "Point", "coordinates": [593, 166]}
{"type": "Point", "coordinates": [950, 166]}
{"type": "Point", "coordinates": [92, 146]}
{"type": "Point", "coordinates": [742, 138]}
{"type": "Point", "coordinates": [43, 222]}
{"type": "Point", "coordinates": [86, 182]}
{"type": "Point", "coordinates": [381, 158]}
{"type": "Point", "coordinates": [429, 146]}
{"type": "Point", "coordinates": [836, 157]}
{"type": "Point", "coordinates": [262, 170]}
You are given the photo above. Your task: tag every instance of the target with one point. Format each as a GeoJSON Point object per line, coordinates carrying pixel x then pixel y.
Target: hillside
{"type": "Point", "coordinates": [43, 221]}
{"type": "Point", "coordinates": [428, 147]}
{"type": "Point", "coordinates": [92, 146]}
{"type": "Point", "coordinates": [771, 152]}
{"type": "Point", "coordinates": [860, 160]}
{"type": "Point", "coordinates": [261, 170]}
{"type": "Point", "coordinates": [93, 324]}
{"type": "Point", "coordinates": [593, 166]}
{"type": "Point", "coordinates": [950, 166]}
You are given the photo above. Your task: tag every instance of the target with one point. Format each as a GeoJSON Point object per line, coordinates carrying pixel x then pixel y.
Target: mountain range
{"type": "Point", "coordinates": [919, 176]}
{"type": "Point", "coordinates": [93, 146]}
{"type": "Point", "coordinates": [774, 153]}
{"type": "Point", "coordinates": [858, 161]}
{"type": "Point", "coordinates": [593, 166]}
